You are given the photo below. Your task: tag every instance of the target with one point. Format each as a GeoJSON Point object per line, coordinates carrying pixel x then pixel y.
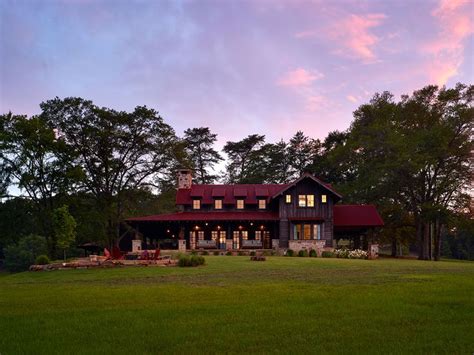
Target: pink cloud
{"type": "Point", "coordinates": [446, 51]}
{"type": "Point", "coordinates": [299, 78]}
{"type": "Point", "coordinates": [351, 98]}
{"type": "Point", "coordinates": [352, 35]}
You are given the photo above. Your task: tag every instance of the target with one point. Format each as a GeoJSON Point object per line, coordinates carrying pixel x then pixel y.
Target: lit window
{"type": "Point", "coordinates": [324, 198]}
{"type": "Point", "coordinates": [317, 231]}
{"type": "Point", "coordinates": [262, 204]}
{"type": "Point", "coordinates": [310, 200]}
{"type": "Point", "coordinates": [288, 198]}
{"type": "Point", "coordinates": [218, 204]}
{"type": "Point", "coordinates": [297, 233]}
{"type": "Point", "coordinates": [302, 200]}
{"type": "Point", "coordinates": [196, 204]}
{"type": "Point", "coordinates": [240, 204]}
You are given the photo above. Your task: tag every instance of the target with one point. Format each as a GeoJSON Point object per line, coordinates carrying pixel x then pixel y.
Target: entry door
{"type": "Point", "coordinates": [267, 242]}
{"type": "Point", "coordinates": [222, 238]}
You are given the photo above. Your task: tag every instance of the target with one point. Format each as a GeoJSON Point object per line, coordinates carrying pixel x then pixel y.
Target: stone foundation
{"type": "Point", "coordinates": [297, 245]}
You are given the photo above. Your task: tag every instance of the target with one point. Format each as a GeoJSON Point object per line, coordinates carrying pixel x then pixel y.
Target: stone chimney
{"type": "Point", "coordinates": [185, 178]}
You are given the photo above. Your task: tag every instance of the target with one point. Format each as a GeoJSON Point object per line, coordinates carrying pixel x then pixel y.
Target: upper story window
{"type": "Point", "coordinates": [302, 200]}
{"type": "Point", "coordinates": [218, 204]}
{"type": "Point", "coordinates": [262, 204]}
{"type": "Point", "coordinates": [196, 204]}
{"type": "Point", "coordinates": [305, 200]}
{"type": "Point", "coordinates": [324, 198]}
{"type": "Point", "coordinates": [288, 198]}
{"type": "Point", "coordinates": [240, 204]}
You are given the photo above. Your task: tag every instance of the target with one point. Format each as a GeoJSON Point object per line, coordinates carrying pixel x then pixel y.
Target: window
{"type": "Point", "coordinates": [288, 198]}
{"type": "Point", "coordinates": [240, 204]}
{"type": "Point", "coordinates": [317, 231]}
{"type": "Point", "coordinates": [305, 200]}
{"type": "Point", "coordinates": [196, 204]}
{"type": "Point", "coordinates": [302, 200]}
{"type": "Point", "coordinates": [218, 204]}
{"type": "Point", "coordinates": [262, 204]}
{"type": "Point", "coordinates": [324, 198]}
{"type": "Point", "coordinates": [258, 235]}
{"type": "Point", "coordinates": [297, 235]}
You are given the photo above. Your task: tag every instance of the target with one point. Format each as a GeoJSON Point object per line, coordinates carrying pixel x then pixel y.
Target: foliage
{"type": "Point", "coordinates": [42, 260]}
{"type": "Point", "coordinates": [64, 228]}
{"type": "Point", "coordinates": [341, 253]}
{"type": "Point", "coordinates": [228, 253]}
{"type": "Point", "coordinates": [252, 253]}
{"type": "Point", "coordinates": [327, 254]}
{"type": "Point", "coordinates": [191, 260]}
{"type": "Point", "coordinates": [303, 151]}
{"type": "Point", "coordinates": [198, 145]}
{"type": "Point", "coordinates": [244, 159]}
{"type": "Point", "coordinates": [312, 253]}
{"type": "Point", "coordinates": [290, 252]}
{"type": "Point", "coordinates": [215, 252]}
{"type": "Point", "coordinates": [358, 254]}
{"type": "Point", "coordinates": [19, 256]}
{"type": "Point", "coordinates": [303, 253]}
{"type": "Point", "coordinates": [205, 252]}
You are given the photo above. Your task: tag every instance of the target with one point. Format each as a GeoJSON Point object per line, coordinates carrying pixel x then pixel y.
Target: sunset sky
{"type": "Point", "coordinates": [240, 67]}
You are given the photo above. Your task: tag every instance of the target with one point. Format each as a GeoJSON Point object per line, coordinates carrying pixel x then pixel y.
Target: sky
{"type": "Point", "coordinates": [240, 67]}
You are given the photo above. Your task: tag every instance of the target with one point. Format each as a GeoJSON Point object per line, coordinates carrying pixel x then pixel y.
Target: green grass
{"type": "Point", "coordinates": [233, 305]}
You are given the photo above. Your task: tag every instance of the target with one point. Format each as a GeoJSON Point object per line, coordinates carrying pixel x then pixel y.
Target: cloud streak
{"type": "Point", "coordinates": [299, 77]}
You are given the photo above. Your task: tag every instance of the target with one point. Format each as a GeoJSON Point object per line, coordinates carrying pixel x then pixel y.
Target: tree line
{"type": "Point", "coordinates": [412, 158]}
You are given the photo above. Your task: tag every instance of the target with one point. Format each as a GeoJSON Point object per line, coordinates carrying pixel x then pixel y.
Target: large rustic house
{"type": "Point", "coordinates": [302, 214]}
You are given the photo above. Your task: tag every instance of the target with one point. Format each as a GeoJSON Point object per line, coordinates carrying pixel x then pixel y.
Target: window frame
{"type": "Point", "coordinates": [324, 198]}
{"type": "Point", "coordinates": [302, 200]}
{"type": "Point", "coordinates": [198, 201]}
{"type": "Point", "coordinates": [220, 204]}
{"type": "Point", "coordinates": [262, 202]}
{"type": "Point", "coordinates": [287, 198]}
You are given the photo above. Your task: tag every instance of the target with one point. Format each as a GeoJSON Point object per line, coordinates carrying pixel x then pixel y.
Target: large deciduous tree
{"type": "Point", "coordinates": [199, 147]}
{"type": "Point", "coordinates": [414, 153]}
{"type": "Point", "coordinates": [117, 151]}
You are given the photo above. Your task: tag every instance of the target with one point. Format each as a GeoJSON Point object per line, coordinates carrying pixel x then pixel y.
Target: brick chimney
{"type": "Point", "coordinates": [185, 178]}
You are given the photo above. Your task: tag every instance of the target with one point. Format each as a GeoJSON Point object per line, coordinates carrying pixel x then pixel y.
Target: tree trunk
{"type": "Point", "coordinates": [426, 241]}
{"type": "Point", "coordinates": [437, 240]}
{"type": "Point", "coordinates": [394, 247]}
{"type": "Point", "coordinates": [420, 238]}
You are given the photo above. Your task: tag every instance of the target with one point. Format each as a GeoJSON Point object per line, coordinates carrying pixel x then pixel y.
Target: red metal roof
{"type": "Point", "coordinates": [208, 216]}
{"type": "Point", "coordinates": [356, 216]}
{"type": "Point", "coordinates": [229, 193]}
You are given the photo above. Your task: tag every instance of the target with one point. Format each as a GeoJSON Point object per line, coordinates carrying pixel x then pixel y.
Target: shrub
{"type": "Point", "coordinates": [252, 253]}
{"type": "Point", "coordinates": [228, 253]}
{"type": "Point", "coordinates": [290, 252]}
{"type": "Point", "coordinates": [327, 254]}
{"type": "Point", "coordinates": [194, 252]}
{"type": "Point", "coordinates": [358, 254]}
{"type": "Point", "coordinates": [216, 252]}
{"type": "Point", "coordinates": [42, 260]}
{"type": "Point", "coordinates": [240, 253]}
{"type": "Point", "coordinates": [341, 253]}
{"type": "Point", "coordinates": [303, 253]}
{"type": "Point", "coordinates": [312, 253]}
{"type": "Point", "coordinates": [19, 257]}
{"type": "Point", "coordinates": [205, 252]}
{"type": "Point", "coordinates": [191, 260]}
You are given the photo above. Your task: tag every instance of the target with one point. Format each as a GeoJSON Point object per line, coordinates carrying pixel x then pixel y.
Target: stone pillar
{"type": "Point", "coordinates": [136, 245]}
{"type": "Point", "coordinates": [373, 251]}
{"type": "Point", "coordinates": [182, 245]}
{"type": "Point", "coordinates": [228, 244]}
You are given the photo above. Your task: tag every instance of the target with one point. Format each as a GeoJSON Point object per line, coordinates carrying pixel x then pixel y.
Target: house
{"type": "Point", "coordinates": [304, 214]}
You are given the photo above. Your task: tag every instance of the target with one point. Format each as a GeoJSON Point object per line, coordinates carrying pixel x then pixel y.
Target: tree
{"type": "Point", "coordinates": [302, 152]}
{"type": "Point", "coordinates": [203, 156]}
{"type": "Point", "coordinates": [244, 160]}
{"type": "Point", "coordinates": [19, 256]}
{"type": "Point", "coordinates": [116, 151]}
{"type": "Point", "coordinates": [39, 164]}
{"type": "Point", "coordinates": [277, 163]}
{"type": "Point", "coordinates": [64, 228]}
{"type": "Point", "coordinates": [414, 153]}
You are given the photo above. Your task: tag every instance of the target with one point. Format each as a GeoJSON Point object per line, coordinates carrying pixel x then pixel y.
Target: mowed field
{"type": "Point", "coordinates": [233, 305]}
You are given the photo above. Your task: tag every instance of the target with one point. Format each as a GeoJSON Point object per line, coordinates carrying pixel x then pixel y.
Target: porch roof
{"type": "Point", "coordinates": [208, 216]}
{"type": "Point", "coordinates": [350, 216]}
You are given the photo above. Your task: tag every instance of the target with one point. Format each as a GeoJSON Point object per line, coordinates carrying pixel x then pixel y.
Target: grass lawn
{"type": "Point", "coordinates": [284, 305]}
